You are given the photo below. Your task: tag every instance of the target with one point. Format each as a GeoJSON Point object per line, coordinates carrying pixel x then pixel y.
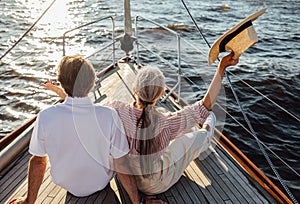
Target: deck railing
{"type": "Point", "coordinates": [178, 84]}
{"type": "Point", "coordinates": [101, 49]}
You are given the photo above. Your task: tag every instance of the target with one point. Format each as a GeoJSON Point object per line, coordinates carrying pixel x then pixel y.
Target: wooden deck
{"type": "Point", "coordinates": [213, 178]}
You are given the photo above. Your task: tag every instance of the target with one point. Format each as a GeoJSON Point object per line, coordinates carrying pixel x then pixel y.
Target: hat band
{"type": "Point", "coordinates": [233, 34]}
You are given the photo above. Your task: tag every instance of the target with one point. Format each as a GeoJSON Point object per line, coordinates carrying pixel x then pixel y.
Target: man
{"type": "Point", "coordinates": [83, 142]}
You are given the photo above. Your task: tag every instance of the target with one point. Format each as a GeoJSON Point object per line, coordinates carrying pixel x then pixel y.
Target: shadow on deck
{"type": "Point", "coordinates": [214, 178]}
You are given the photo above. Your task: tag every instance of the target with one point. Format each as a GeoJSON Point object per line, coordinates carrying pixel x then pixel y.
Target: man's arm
{"type": "Point", "coordinates": [56, 89]}
{"type": "Point", "coordinates": [36, 171]}
{"type": "Point", "coordinates": [128, 181]}
{"type": "Point", "coordinates": [214, 88]}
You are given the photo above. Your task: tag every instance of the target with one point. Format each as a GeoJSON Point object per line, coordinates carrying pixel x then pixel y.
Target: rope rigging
{"type": "Point", "coordinates": [27, 31]}
{"type": "Point", "coordinates": [245, 128]}
{"type": "Point", "coordinates": [251, 131]}
{"type": "Point", "coordinates": [268, 148]}
{"type": "Point", "coordinates": [270, 100]}
{"type": "Point", "coordinates": [245, 117]}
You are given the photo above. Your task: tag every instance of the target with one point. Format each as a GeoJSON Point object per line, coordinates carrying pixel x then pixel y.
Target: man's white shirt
{"type": "Point", "coordinates": [80, 139]}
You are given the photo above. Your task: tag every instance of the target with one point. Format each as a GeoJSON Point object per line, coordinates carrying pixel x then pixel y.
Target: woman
{"type": "Point", "coordinates": [159, 148]}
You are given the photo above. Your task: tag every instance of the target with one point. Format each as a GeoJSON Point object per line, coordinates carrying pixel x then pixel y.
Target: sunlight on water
{"type": "Point", "coordinates": [45, 40]}
{"type": "Point", "coordinates": [18, 91]}
{"type": "Point", "coordinates": [25, 72]}
{"type": "Point", "coordinates": [34, 103]}
{"type": "Point", "coordinates": [18, 114]}
{"type": "Point", "coordinates": [55, 21]}
{"type": "Point", "coordinates": [270, 66]}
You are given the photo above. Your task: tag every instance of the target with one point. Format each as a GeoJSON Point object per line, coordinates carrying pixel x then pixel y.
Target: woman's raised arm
{"type": "Point", "coordinates": [214, 88]}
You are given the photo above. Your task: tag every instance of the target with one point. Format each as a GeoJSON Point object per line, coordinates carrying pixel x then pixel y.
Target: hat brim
{"type": "Point", "coordinates": [239, 38]}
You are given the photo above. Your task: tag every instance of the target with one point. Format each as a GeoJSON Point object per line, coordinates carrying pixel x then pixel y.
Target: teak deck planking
{"type": "Point", "coordinates": [215, 179]}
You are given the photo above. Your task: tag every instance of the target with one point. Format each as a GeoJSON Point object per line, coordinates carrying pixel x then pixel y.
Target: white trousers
{"type": "Point", "coordinates": [174, 161]}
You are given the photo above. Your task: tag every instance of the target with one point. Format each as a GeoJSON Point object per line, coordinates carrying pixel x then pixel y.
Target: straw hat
{"type": "Point", "coordinates": [239, 38]}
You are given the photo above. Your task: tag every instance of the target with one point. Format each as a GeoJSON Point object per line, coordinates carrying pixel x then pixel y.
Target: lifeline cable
{"type": "Point", "coordinates": [245, 116]}
{"type": "Point", "coordinates": [27, 31]}
{"type": "Point", "coordinates": [247, 130]}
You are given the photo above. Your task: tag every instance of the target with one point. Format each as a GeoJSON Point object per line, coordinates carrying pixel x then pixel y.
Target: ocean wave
{"type": "Point", "coordinates": [271, 66]}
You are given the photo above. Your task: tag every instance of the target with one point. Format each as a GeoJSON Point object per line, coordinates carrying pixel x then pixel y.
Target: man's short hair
{"type": "Point", "coordinates": [76, 75]}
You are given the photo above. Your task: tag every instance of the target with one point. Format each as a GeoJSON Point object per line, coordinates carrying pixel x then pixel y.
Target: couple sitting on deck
{"type": "Point", "coordinates": [86, 143]}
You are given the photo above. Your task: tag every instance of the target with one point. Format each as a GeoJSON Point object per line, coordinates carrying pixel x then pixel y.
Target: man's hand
{"type": "Point", "coordinates": [36, 171]}
{"type": "Point", "coordinates": [20, 200]}
{"type": "Point", "coordinates": [153, 200]}
{"type": "Point", "coordinates": [50, 85]}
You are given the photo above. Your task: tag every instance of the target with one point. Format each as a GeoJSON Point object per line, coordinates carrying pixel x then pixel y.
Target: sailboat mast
{"type": "Point", "coordinates": [127, 18]}
{"type": "Point", "coordinates": [127, 39]}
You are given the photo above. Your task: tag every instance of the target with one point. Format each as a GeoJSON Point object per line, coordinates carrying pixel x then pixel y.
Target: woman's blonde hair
{"type": "Point", "coordinates": [149, 86]}
{"type": "Point", "coordinates": [76, 75]}
{"type": "Point", "coordinates": [149, 83]}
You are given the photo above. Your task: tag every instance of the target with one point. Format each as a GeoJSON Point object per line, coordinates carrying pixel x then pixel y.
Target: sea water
{"type": "Point", "coordinates": [270, 68]}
